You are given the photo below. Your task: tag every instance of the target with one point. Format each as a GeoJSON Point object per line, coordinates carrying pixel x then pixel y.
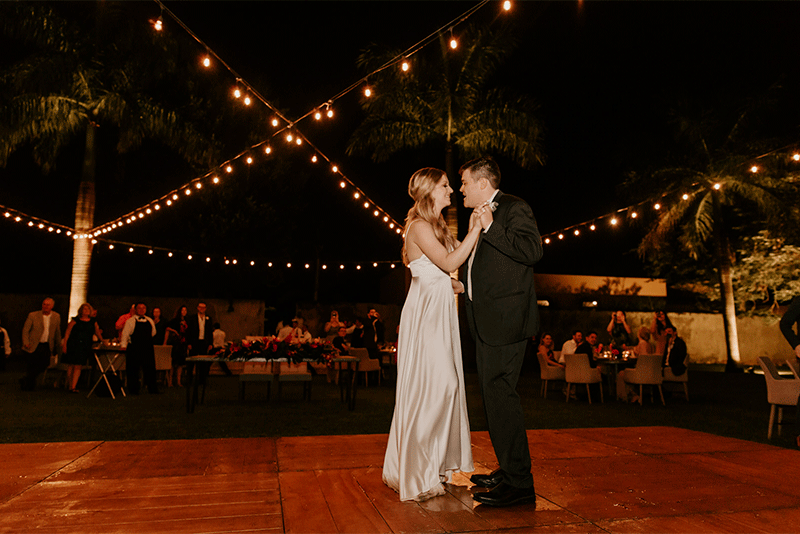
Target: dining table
{"type": "Point", "coordinates": [107, 356]}
{"type": "Point", "coordinates": [613, 363]}
{"type": "Point", "coordinates": [198, 368]}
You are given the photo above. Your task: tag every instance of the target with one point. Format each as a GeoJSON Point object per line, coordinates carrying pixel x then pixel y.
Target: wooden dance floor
{"type": "Point", "coordinates": [653, 479]}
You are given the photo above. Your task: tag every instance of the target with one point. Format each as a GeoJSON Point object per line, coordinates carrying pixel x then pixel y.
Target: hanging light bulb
{"type": "Point", "coordinates": [317, 115]}
{"type": "Point", "coordinates": [754, 168]}
{"type": "Point", "coordinates": [507, 5]}
{"type": "Point", "coordinates": [685, 196]}
{"type": "Point", "coordinates": [247, 101]}
{"type": "Point", "coordinates": [657, 206]}
{"type": "Point", "coordinates": [237, 93]}
{"type": "Point", "coordinates": [314, 158]}
{"type": "Point", "coordinates": [158, 24]}
{"type": "Point", "coordinates": [405, 65]}
{"type": "Point", "coordinates": [796, 157]}
{"type": "Point", "coordinates": [268, 150]}
{"type": "Point", "coordinates": [368, 91]}
{"type": "Point", "coordinates": [453, 42]}
{"type": "Point", "coordinates": [634, 215]}
{"type": "Point", "coordinates": [275, 122]}
{"type": "Point", "coordinates": [206, 62]}
{"type": "Point", "coordinates": [614, 221]}
{"type": "Point", "coordinates": [546, 240]}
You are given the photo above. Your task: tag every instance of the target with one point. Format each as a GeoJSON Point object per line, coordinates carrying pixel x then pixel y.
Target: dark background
{"type": "Point", "coordinates": [606, 75]}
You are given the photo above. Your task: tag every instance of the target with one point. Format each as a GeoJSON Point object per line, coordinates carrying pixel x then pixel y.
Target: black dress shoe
{"type": "Point", "coordinates": [488, 481]}
{"type": "Point", "coordinates": [505, 495]}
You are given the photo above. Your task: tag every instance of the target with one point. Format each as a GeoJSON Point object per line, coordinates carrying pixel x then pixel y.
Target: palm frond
{"type": "Point", "coordinates": [659, 235]}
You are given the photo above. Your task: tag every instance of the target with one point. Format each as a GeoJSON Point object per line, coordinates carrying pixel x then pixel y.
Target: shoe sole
{"type": "Point", "coordinates": [524, 500]}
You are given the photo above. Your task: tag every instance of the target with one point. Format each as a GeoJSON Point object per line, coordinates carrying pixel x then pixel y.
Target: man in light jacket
{"type": "Point", "coordinates": [41, 339]}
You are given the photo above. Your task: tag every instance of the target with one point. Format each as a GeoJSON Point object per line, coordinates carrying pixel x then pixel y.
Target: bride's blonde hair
{"type": "Point", "coordinates": [420, 187]}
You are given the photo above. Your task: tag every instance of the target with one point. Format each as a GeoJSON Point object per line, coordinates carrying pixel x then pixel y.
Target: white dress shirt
{"type": "Point", "coordinates": [472, 254]}
{"type": "Point", "coordinates": [130, 325]}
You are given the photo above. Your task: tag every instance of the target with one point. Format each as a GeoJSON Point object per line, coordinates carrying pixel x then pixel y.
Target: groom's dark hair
{"type": "Point", "coordinates": [483, 167]}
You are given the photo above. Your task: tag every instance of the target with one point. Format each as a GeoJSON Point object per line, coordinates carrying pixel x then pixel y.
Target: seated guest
{"type": "Point", "coordinates": [218, 336]}
{"type": "Point", "coordinates": [675, 357]}
{"type": "Point", "coordinates": [546, 350]}
{"type": "Point", "coordinates": [644, 346]}
{"type": "Point", "coordinates": [340, 344]}
{"type": "Point", "coordinates": [301, 335]}
{"type": "Point", "coordinates": [590, 347]}
{"type": "Point", "coordinates": [570, 345]}
{"type": "Point", "coordinates": [287, 330]}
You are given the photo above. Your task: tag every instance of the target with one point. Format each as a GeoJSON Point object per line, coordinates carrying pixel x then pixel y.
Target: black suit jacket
{"type": "Point", "coordinates": [677, 356]}
{"type": "Point", "coordinates": [193, 333]}
{"type": "Point", "coordinates": [790, 319]}
{"type": "Point", "coordinates": [502, 309]}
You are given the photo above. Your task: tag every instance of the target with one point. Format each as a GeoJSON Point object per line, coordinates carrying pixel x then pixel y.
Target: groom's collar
{"type": "Point", "coordinates": [496, 192]}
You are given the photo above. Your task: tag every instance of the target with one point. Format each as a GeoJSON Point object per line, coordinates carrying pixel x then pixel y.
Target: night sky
{"type": "Point", "coordinates": [606, 75]}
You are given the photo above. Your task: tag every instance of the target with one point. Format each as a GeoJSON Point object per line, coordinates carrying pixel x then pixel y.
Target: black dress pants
{"type": "Point", "coordinates": [498, 372]}
{"type": "Point", "coordinates": [141, 359]}
{"type": "Point", "coordinates": [37, 362]}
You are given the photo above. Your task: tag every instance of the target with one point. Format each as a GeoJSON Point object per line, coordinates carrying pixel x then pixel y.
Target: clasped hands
{"type": "Point", "coordinates": [481, 215]}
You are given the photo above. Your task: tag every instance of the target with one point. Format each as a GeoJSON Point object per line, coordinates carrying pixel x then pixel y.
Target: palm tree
{"type": "Point", "coordinates": [718, 188]}
{"type": "Point", "coordinates": [79, 81]}
{"type": "Point", "coordinates": [448, 101]}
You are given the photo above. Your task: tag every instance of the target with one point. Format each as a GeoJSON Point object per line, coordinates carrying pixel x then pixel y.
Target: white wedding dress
{"type": "Point", "coordinates": [429, 438]}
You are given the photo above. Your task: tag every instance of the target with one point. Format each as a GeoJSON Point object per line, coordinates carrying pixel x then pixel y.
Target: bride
{"type": "Point", "coordinates": [429, 438]}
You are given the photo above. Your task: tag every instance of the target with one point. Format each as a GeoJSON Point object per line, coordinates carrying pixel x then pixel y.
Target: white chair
{"type": "Point", "coordinates": [794, 365]}
{"type": "Point", "coordinates": [780, 392]}
{"type": "Point", "coordinates": [163, 359]}
{"type": "Point", "coordinates": [549, 372]}
{"type": "Point", "coordinates": [646, 372]}
{"type": "Point", "coordinates": [578, 371]}
{"type": "Point", "coordinates": [366, 364]}
{"type": "Point", "coordinates": [682, 379]}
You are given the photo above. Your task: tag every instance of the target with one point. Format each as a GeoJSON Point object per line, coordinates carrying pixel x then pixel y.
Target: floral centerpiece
{"type": "Point", "coordinates": [271, 348]}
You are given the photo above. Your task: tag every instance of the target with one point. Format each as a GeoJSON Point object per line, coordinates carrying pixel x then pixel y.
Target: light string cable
{"type": "Point", "coordinates": [173, 195]}
{"type": "Point", "coordinates": [231, 260]}
{"type": "Point", "coordinates": [17, 216]}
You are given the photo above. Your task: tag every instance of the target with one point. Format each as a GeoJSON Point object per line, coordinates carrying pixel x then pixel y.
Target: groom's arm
{"type": "Point", "coordinates": [518, 236]}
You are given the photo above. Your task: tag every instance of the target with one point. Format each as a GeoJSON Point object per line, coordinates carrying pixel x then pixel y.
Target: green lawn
{"type": "Point", "coordinates": [732, 405]}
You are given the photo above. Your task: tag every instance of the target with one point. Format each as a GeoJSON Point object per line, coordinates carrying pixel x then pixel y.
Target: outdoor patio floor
{"type": "Point", "coordinates": [651, 479]}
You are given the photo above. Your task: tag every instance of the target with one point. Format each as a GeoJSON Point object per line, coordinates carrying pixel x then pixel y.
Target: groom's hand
{"type": "Point", "coordinates": [458, 287]}
{"type": "Point", "coordinates": [485, 214]}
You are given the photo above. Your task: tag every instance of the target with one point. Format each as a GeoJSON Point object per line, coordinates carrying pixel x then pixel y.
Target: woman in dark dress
{"type": "Point", "coordinates": [176, 336]}
{"type": "Point", "coordinates": [161, 327]}
{"type": "Point", "coordinates": [77, 344]}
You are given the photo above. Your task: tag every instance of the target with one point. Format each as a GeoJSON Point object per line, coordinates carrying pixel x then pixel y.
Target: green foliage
{"type": "Point", "coordinates": [768, 272]}
{"type": "Point", "coordinates": [447, 100]}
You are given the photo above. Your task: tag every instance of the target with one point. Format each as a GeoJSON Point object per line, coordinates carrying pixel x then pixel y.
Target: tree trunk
{"type": "Point", "coordinates": [84, 221]}
{"type": "Point", "coordinates": [723, 249]}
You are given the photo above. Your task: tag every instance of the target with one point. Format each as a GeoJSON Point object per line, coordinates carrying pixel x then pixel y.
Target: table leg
{"type": "Point", "coordinates": [191, 386]}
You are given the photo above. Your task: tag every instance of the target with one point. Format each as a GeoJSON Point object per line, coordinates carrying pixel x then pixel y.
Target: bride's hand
{"type": "Point", "coordinates": [475, 218]}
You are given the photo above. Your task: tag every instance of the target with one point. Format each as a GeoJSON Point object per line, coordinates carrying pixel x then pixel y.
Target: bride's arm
{"type": "Point", "coordinates": [422, 236]}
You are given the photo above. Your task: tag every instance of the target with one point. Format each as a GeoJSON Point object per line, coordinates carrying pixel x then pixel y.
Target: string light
{"type": "Point", "coordinates": [206, 62]}
{"type": "Point", "coordinates": [507, 5]}
{"type": "Point", "coordinates": [368, 91]}
{"type": "Point", "coordinates": [754, 169]}
{"type": "Point", "coordinates": [796, 157]}
{"type": "Point", "coordinates": [614, 221]}
{"type": "Point", "coordinates": [453, 42]}
{"type": "Point", "coordinates": [405, 66]}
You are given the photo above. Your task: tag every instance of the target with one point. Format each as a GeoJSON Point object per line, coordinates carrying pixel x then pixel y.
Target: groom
{"type": "Point", "coordinates": [502, 316]}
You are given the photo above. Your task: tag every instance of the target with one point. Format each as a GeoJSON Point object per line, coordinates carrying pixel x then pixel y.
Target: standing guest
{"type": "Point", "coordinates": [546, 350]}
{"type": "Point", "coordinates": [41, 339]}
{"type": "Point", "coordinates": [176, 336]}
{"type": "Point", "coordinates": [218, 336]}
{"type": "Point", "coordinates": [120, 324]}
{"type": "Point", "coordinates": [198, 336]}
{"type": "Point", "coordinates": [161, 327]}
{"type": "Point", "coordinates": [340, 343]}
{"type": "Point", "coordinates": [502, 315]}
{"type": "Point", "coordinates": [357, 337]}
{"type": "Point", "coordinates": [332, 326]}
{"type": "Point", "coordinates": [619, 329]}
{"type": "Point", "coordinates": [5, 342]}
{"type": "Point", "coordinates": [675, 358]}
{"type": "Point", "coordinates": [77, 344]}
{"type": "Point", "coordinates": [571, 345]}
{"type": "Point", "coordinates": [590, 348]}
{"type": "Point", "coordinates": [374, 333]}
{"type": "Point", "coordinates": [658, 329]}
{"type": "Point", "coordinates": [792, 318]}
{"type": "Point", "coordinates": [138, 333]}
